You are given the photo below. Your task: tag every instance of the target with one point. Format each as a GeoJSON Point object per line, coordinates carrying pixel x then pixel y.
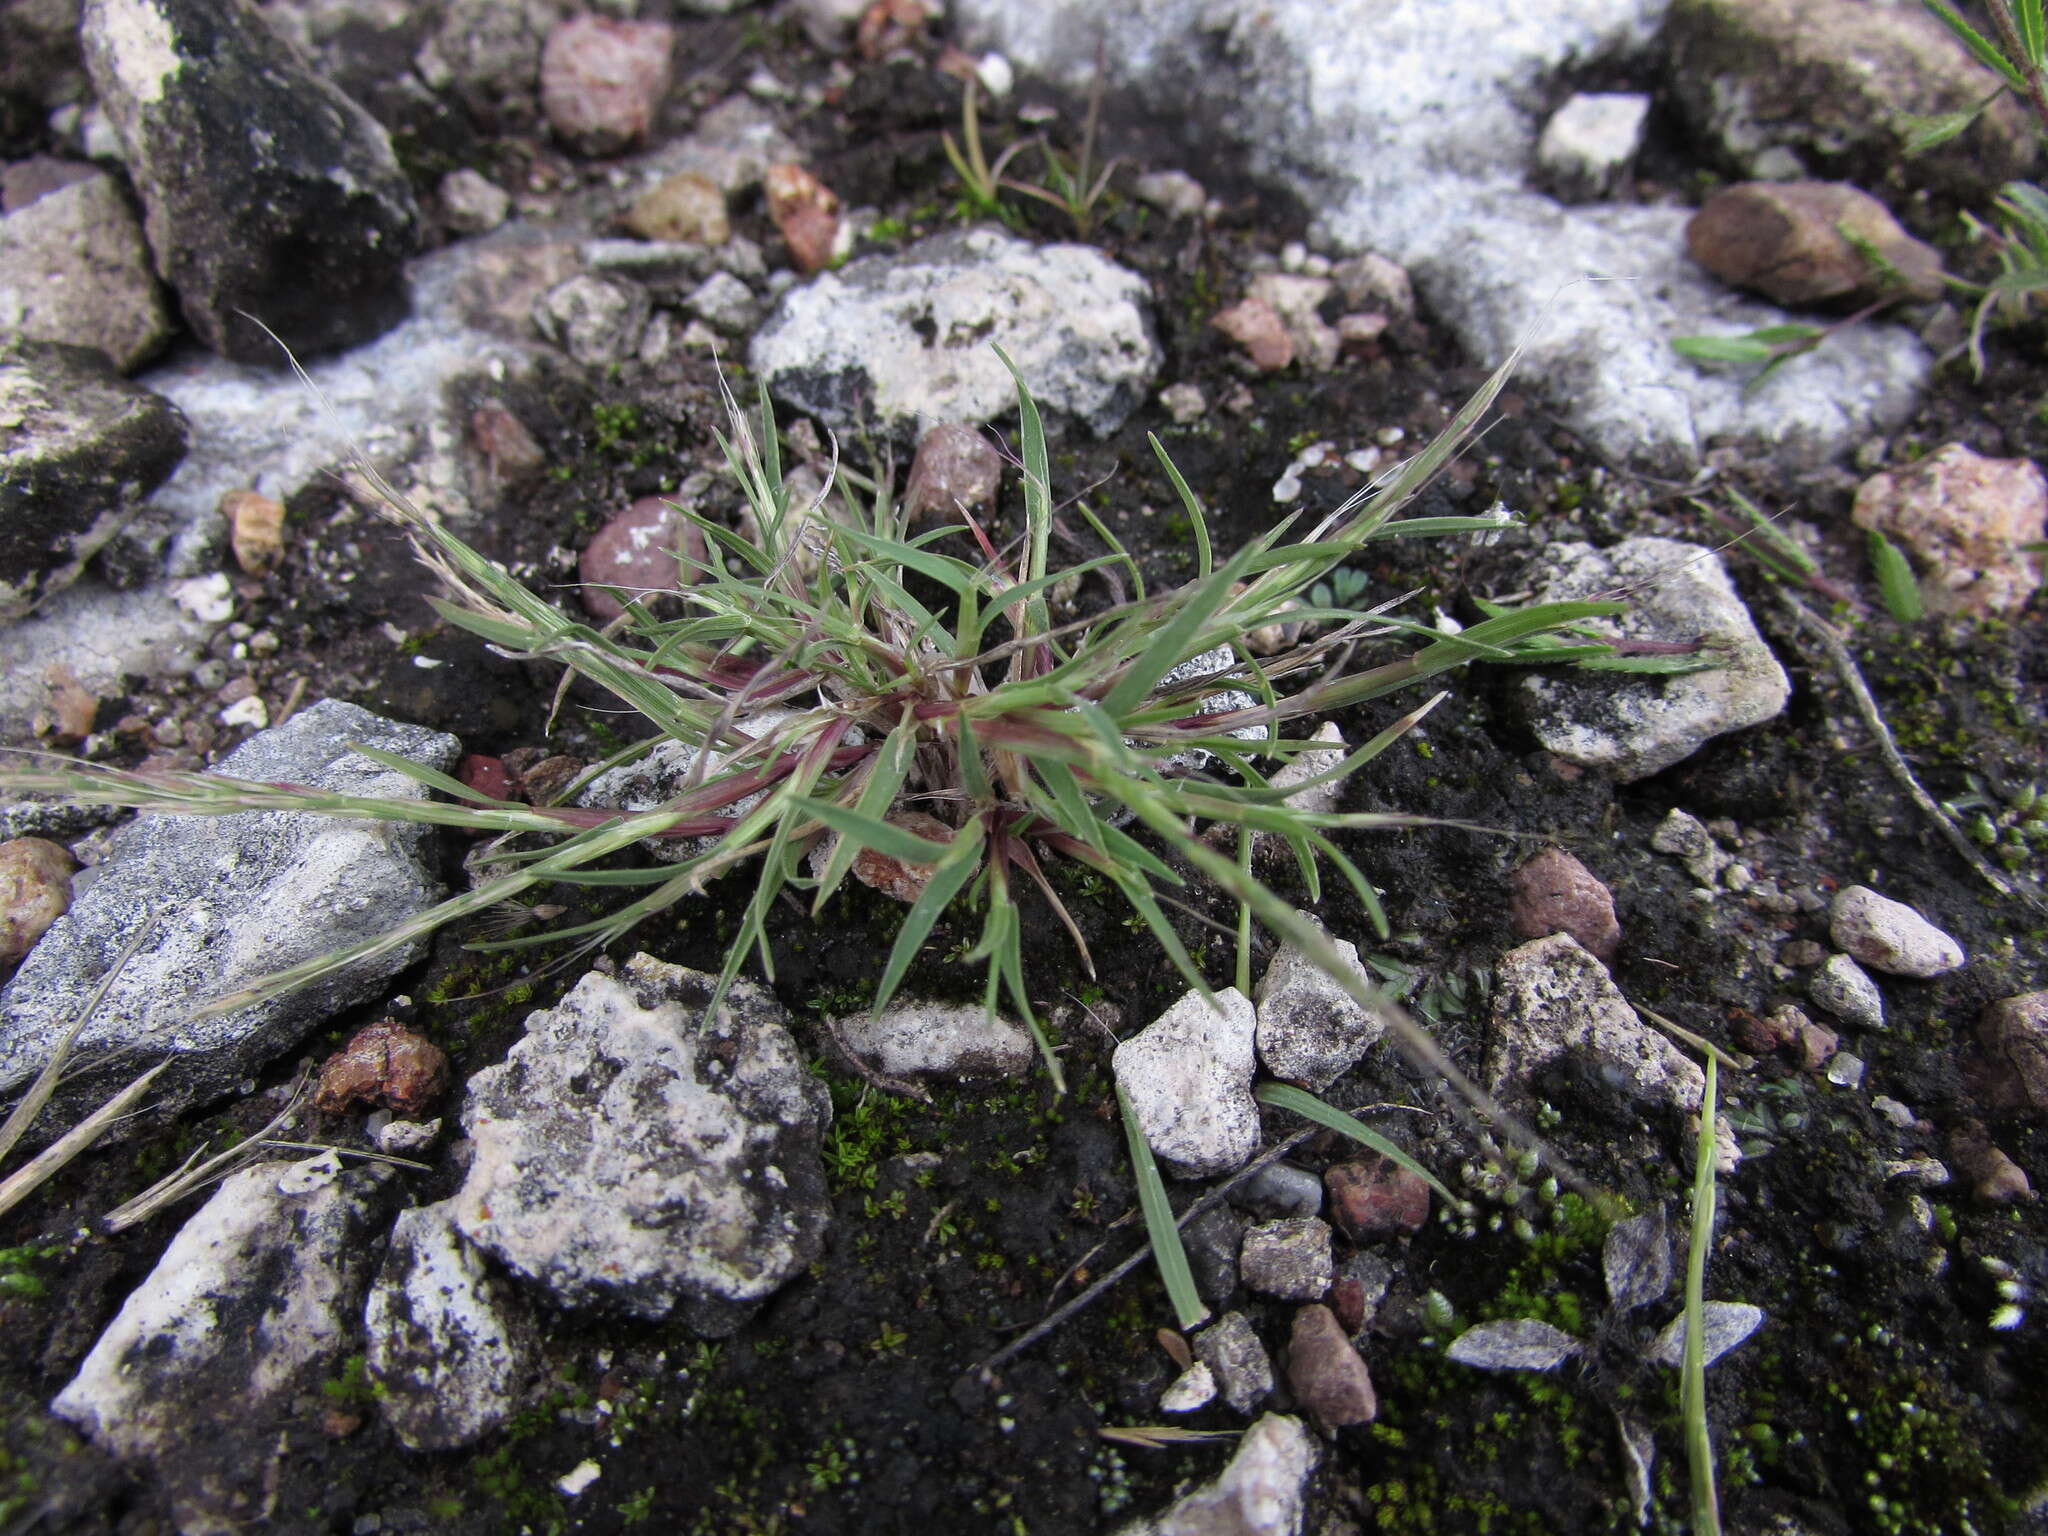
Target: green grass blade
{"type": "Point", "coordinates": [1309, 1107]}
{"type": "Point", "coordinates": [1987, 52]}
{"type": "Point", "coordinates": [1895, 583]}
{"type": "Point", "coordinates": [1699, 1445]}
{"type": "Point", "coordinates": [872, 832]}
{"type": "Point", "coordinates": [955, 868]}
{"type": "Point", "coordinates": [1196, 519]}
{"type": "Point", "coordinates": [1037, 491]}
{"type": "Point", "coordinates": [1172, 1259]}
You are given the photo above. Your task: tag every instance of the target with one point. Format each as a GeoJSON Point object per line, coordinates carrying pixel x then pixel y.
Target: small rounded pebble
{"type": "Point", "coordinates": [636, 553]}
{"type": "Point", "coordinates": [35, 890]}
{"type": "Point", "coordinates": [1844, 990]}
{"type": "Point", "coordinates": [1328, 1375]}
{"type": "Point", "coordinates": [1555, 893]}
{"type": "Point", "coordinates": [1889, 935]}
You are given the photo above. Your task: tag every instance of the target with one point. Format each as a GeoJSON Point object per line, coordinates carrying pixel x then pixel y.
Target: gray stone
{"type": "Point", "coordinates": [290, 207]}
{"type": "Point", "coordinates": [74, 268]}
{"type": "Point", "coordinates": [909, 338]}
{"type": "Point", "coordinates": [1552, 999]}
{"type": "Point", "coordinates": [636, 1150]}
{"type": "Point", "coordinates": [486, 54]}
{"type": "Point", "coordinates": [80, 448]}
{"type": "Point", "coordinates": [1844, 989]}
{"type": "Point", "coordinates": [1212, 1241]}
{"type": "Point", "coordinates": [731, 146]}
{"type": "Point", "coordinates": [1231, 1348]}
{"type": "Point", "coordinates": [225, 902]}
{"type": "Point", "coordinates": [598, 321]}
{"type": "Point", "coordinates": [1289, 1258]}
{"type": "Point", "coordinates": [1889, 935]}
{"type": "Point", "coordinates": [254, 1301]}
{"type": "Point", "coordinates": [1684, 835]}
{"type": "Point", "coordinates": [1405, 127]}
{"type": "Point", "coordinates": [725, 303]}
{"type": "Point", "coordinates": [1279, 1189]}
{"type": "Point", "coordinates": [1188, 1075]}
{"type": "Point", "coordinates": [449, 1349]}
{"type": "Point", "coordinates": [1262, 1492]}
{"type": "Point", "coordinates": [1311, 1031]}
{"type": "Point", "coordinates": [473, 204]}
{"type": "Point", "coordinates": [1634, 727]}
{"type": "Point", "coordinates": [942, 1040]}
{"type": "Point", "coordinates": [1589, 144]}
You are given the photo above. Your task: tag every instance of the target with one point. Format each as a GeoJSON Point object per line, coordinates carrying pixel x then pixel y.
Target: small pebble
{"type": "Point", "coordinates": [1843, 988]}
{"type": "Point", "coordinates": [35, 890]}
{"type": "Point", "coordinates": [1889, 935]}
{"type": "Point", "coordinates": [1846, 1071]}
{"type": "Point", "coordinates": [1328, 1375]}
{"type": "Point", "coordinates": [1194, 1388]}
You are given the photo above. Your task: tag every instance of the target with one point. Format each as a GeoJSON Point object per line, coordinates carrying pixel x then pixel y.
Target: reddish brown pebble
{"type": "Point", "coordinates": [2014, 1034]}
{"type": "Point", "coordinates": [893, 877]}
{"type": "Point", "coordinates": [1790, 242]}
{"type": "Point", "coordinates": [255, 530]}
{"type": "Point", "coordinates": [806, 211]}
{"type": "Point", "coordinates": [35, 890]}
{"type": "Point", "coordinates": [386, 1064]}
{"type": "Point", "coordinates": [1993, 1177]}
{"type": "Point", "coordinates": [636, 551]}
{"type": "Point", "coordinates": [508, 449]}
{"type": "Point", "coordinates": [543, 783]}
{"type": "Point", "coordinates": [955, 467]}
{"type": "Point", "coordinates": [888, 25]}
{"type": "Point", "coordinates": [1347, 1301]}
{"type": "Point", "coordinates": [1555, 893]}
{"type": "Point", "coordinates": [1256, 326]}
{"type": "Point", "coordinates": [1756, 1035]}
{"type": "Point", "coordinates": [1817, 1045]}
{"type": "Point", "coordinates": [1375, 1197]}
{"type": "Point", "coordinates": [485, 775]}
{"type": "Point", "coordinates": [601, 81]}
{"type": "Point", "coordinates": [1328, 1375]}
{"type": "Point", "coordinates": [73, 706]}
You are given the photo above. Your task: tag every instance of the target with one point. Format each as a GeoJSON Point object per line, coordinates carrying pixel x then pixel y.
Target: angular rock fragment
{"type": "Point", "coordinates": [1554, 893]}
{"type": "Point", "coordinates": [74, 269]}
{"type": "Point", "coordinates": [1311, 1031]}
{"type": "Point", "coordinates": [1969, 520]}
{"type": "Point", "coordinates": [1327, 1373]}
{"type": "Point", "coordinates": [1188, 1076]}
{"type": "Point", "coordinates": [266, 192]}
{"type": "Point", "coordinates": [639, 1151]}
{"type": "Point", "coordinates": [1289, 1258]}
{"type": "Point", "coordinates": [1262, 1492]}
{"type": "Point", "coordinates": [1231, 1348]}
{"type": "Point", "coordinates": [951, 1041]}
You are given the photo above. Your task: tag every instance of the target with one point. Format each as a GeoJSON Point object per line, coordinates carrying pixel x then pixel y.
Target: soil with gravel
{"type": "Point", "coordinates": [1877, 1397]}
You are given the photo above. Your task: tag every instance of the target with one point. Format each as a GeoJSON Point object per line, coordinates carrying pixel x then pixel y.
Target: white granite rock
{"type": "Point", "coordinates": [1590, 142]}
{"type": "Point", "coordinates": [1633, 727]}
{"type": "Point", "coordinates": [1262, 1492]}
{"type": "Point", "coordinates": [1311, 1031]}
{"type": "Point", "coordinates": [910, 337]}
{"type": "Point", "coordinates": [1889, 935]}
{"type": "Point", "coordinates": [943, 1040]}
{"type": "Point", "coordinates": [1188, 1076]}
{"type": "Point", "coordinates": [255, 1300]}
{"type": "Point", "coordinates": [449, 1350]}
{"type": "Point", "coordinates": [636, 1151]}
{"type": "Point", "coordinates": [1551, 999]}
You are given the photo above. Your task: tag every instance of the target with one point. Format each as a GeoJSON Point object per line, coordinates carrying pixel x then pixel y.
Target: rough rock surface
{"type": "Point", "coordinates": [80, 447]}
{"type": "Point", "coordinates": [1786, 88]}
{"type": "Point", "coordinates": [1188, 1075]}
{"type": "Point", "coordinates": [1889, 936]}
{"type": "Point", "coordinates": [1262, 1492]}
{"type": "Point", "coordinates": [1375, 1197]}
{"type": "Point", "coordinates": [265, 189]}
{"type": "Point", "coordinates": [1553, 1000]}
{"type": "Point", "coordinates": [1967, 518]}
{"type": "Point", "coordinates": [602, 80]}
{"type": "Point", "coordinates": [1406, 134]}
{"type": "Point", "coordinates": [909, 338]}
{"type": "Point", "coordinates": [1590, 142]}
{"type": "Point", "coordinates": [1311, 1031]}
{"type": "Point", "coordinates": [74, 268]}
{"type": "Point", "coordinates": [636, 1150]}
{"type": "Point", "coordinates": [2014, 1034]}
{"type": "Point", "coordinates": [1289, 1258]}
{"type": "Point", "coordinates": [940, 1040]}
{"type": "Point", "coordinates": [232, 899]}
{"type": "Point", "coordinates": [449, 1348]}
{"type": "Point", "coordinates": [1844, 989]}
{"type": "Point", "coordinates": [253, 1302]}
{"type": "Point", "coordinates": [1678, 592]}
{"type": "Point", "coordinates": [1236, 1357]}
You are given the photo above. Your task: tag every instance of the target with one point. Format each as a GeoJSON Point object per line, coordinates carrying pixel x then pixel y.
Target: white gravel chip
{"type": "Point", "coordinates": [1844, 989]}
{"type": "Point", "coordinates": [1889, 935]}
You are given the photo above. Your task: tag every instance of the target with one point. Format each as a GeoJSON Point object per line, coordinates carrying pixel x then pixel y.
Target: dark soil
{"type": "Point", "coordinates": [1875, 1398]}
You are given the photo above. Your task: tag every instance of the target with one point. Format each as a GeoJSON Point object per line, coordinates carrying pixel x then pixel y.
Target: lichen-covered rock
{"type": "Point", "coordinates": [1636, 727]}
{"type": "Point", "coordinates": [80, 448]}
{"type": "Point", "coordinates": [1188, 1075]}
{"type": "Point", "coordinates": [638, 1149]}
{"type": "Point", "coordinates": [1311, 1031]}
{"type": "Point", "coordinates": [205, 1367]}
{"type": "Point", "coordinates": [939, 1040]}
{"type": "Point", "coordinates": [73, 268]}
{"type": "Point", "coordinates": [450, 1349]}
{"type": "Point", "coordinates": [222, 902]}
{"type": "Point", "coordinates": [1552, 999]}
{"type": "Point", "coordinates": [268, 195]}
{"type": "Point", "coordinates": [910, 337]}
{"type": "Point", "coordinates": [1262, 1492]}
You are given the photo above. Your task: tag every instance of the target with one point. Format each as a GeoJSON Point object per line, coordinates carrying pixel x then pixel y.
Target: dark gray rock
{"type": "Point", "coordinates": [636, 1150]}
{"type": "Point", "coordinates": [265, 190]}
{"type": "Point", "coordinates": [226, 901]}
{"type": "Point", "coordinates": [80, 447]}
{"type": "Point", "coordinates": [205, 1370]}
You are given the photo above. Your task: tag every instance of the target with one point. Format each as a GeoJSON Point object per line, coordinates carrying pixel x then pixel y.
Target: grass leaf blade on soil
{"type": "Point", "coordinates": [1699, 1445]}
{"type": "Point", "coordinates": [1172, 1258]}
{"type": "Point", "coordinates": [1309, 1107]}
